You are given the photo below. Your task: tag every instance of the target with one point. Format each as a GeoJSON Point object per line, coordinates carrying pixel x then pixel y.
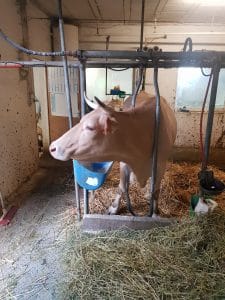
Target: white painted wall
{"type": "Point", "coordinates": [18, 138]}
{"type": "Point", "coordinates": [169, 38]}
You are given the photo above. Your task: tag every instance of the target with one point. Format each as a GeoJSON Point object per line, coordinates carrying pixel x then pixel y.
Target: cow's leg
{"type": "Point", "coordinates": [128, 173]}
{"type": "Point", "coordinates": [114, 208]}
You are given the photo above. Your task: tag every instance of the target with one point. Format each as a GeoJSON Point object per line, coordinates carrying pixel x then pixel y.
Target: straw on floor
{"type": "Point", "coordinates": [186, 261]}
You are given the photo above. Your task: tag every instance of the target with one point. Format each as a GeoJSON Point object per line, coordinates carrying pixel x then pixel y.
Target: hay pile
{"type": "Point", "coordinates": [179, 184]}
{"type": "Point", "coordinates": [186, 261]}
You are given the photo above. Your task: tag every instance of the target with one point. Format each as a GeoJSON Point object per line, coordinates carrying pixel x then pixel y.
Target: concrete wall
{"type": "Point", "coordinates": [169, 38]}
{"type": "Point", "coordinates": [18, 138]}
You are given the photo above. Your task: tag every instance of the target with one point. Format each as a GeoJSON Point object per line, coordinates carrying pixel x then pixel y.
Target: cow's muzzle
{"type": "Point", "coordinates": [57, 152]}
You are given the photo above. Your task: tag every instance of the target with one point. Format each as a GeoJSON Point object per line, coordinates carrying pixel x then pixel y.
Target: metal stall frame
{"type": "Point", "coordinates": [127, 59]}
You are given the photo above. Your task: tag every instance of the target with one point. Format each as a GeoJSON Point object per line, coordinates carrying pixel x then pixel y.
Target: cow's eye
{"type": "Point", "coordinates": [89, 128]}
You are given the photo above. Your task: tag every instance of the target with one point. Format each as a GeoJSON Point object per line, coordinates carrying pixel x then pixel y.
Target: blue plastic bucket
{"type": "Point", "coordinates": [91, 177]}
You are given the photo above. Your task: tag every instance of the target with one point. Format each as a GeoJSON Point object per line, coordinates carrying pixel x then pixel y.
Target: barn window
{"type": "Point", "coordinates": [101, 82]}
{"type": "Point", "coordinates": [191, 87]}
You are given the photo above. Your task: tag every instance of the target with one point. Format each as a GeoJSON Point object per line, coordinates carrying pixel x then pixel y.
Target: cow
{"type": "Point", "coordinates": [124, 136]}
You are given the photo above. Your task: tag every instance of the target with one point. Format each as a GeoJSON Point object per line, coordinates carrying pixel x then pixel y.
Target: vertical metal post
{"type": "Point", "coordinates": [82, 88]}
{"type": "Point", "coordinates": [65, 65]}
{"type": "Point", "coordinates": [212, 102]}
{"type": "Point", "coordinates": [155, 143]}
{"type": "Point", "coordinates": [141, 70]}
{"type": "Point", "coordinates": [68, 94]}
{"type": "Point", "coordinates": [86, 202]}
{"type": "Point", "coordinates": [142, 24]}
{"type": "Point", "coordinates": [138, 84]}
{"type": "Point", "coordinates": [52, 38]}
{"type": "Point", "coordinates": [83, 111]}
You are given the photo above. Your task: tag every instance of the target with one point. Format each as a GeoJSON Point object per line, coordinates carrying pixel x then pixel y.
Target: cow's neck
{"type": "Point", "coordinates": [136, 141]}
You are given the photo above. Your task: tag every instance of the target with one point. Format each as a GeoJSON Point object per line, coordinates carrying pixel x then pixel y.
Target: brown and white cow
{"type": "Point", "coordinates": [127, 136]}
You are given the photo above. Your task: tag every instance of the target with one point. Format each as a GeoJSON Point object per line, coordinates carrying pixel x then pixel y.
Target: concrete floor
{"type": "Point", "coordinates": [31, 248]}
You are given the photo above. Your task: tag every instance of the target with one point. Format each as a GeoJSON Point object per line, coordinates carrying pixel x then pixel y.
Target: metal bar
{"type": "Point", "coordinates": [77, 196]}
{"type": "Point", "coordinates": [152, 55]}
{"type": "Point", "coordinates": [118, 42]}
{"type": "Point", "coordinates": [68, 94]}
{"type": "Point", "coordinates": [134, 96]}
{"type": "Point", "coordinates": [11, 66]}
{"type": "Point", "coordinates": [142, 24]}
{"type": "Point", "coordinates": [155, 143]}
{"type": "Point", "coordinates": [141, 41]}
{"type": "Point", "coordinates": [25, 41]}
{"type": "Point", "coordinates": [119, 53]}
{"type": "Point", "coordinates": [212, 102]}
{"type": "Point", "coordinates": [51, 36]}
{"type": "Point", "coordinates": [82, 88]}
{"type": "Point", "coordinates": [144, 80]}
{"type": "Point", "coordinates": [65, 65]}
{"type": "Point", "coordinates": [38, 64]}
{"type": "Point", "coordinates": [83, 111]}
{"type": "Point", "coordinates": [115, 64]}
{"type": "Point", "coordinates": [86, 202]}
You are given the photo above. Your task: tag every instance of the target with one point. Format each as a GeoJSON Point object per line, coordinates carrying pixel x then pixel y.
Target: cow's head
{"type": "Point", "coordinates": [91, 139]}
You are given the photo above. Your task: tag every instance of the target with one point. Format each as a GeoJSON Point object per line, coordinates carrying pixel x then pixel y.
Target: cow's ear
{"type": "Point", "coordinates": [103, 105]}
{"type": "Point", "coordinates": [108, 124]}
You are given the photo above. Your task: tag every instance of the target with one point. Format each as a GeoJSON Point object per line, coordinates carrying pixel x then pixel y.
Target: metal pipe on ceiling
{"type": "Point", "coordinates": [115, 64]}
{"type": "Point", "coordinates": [118, 42]}
{"type": "Point", "coordinates": [198, 55]}
{"type": "Point", "coordinates": [152, 55]}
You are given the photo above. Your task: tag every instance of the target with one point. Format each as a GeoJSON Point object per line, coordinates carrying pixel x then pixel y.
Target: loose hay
{"type": "Point", "coordinates": [179, 184]}
{"type": "Point", "coordinates": [186, 261]}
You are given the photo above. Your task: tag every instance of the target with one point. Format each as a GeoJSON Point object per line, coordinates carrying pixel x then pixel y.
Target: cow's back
{"type": "Point", "coordinates": [145, 105]}
{"type": "Point", "coordinates": [141, 98]}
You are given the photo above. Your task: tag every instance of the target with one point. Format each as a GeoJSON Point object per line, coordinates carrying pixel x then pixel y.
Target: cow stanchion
{"type": "Point", "coordinates": [153, 205]}
{"type": "Point", "coordinates": [83, 112]}
{"type": "Point", "coordinates": [68, 94]}
{"type": "Point", "coordinates": [127, 171]}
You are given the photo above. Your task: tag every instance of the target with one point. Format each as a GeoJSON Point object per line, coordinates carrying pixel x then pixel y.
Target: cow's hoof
{"type": "Point", "coordinates": [112, 210]}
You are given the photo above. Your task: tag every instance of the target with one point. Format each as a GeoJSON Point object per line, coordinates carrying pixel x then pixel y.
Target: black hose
{"type": "Point", "coordinates": [32, 52]}
{"type": "Point", "coordinates": [118, 70]}
{"type": "Point", "coordinates": [204, 74]}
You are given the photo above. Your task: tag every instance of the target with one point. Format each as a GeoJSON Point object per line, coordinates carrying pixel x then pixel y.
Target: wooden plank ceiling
{"type": "Point", "coordinates": [129, 11]}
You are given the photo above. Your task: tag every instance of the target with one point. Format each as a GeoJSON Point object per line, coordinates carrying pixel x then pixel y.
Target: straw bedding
{"type": "Point", "coordinates": [186, 261]}
{"type": "Point", "coordinates": [179, 183]}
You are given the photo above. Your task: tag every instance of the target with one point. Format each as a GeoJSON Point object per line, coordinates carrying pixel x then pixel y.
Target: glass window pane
{"type": "Point", "coordinates": [191, 88]}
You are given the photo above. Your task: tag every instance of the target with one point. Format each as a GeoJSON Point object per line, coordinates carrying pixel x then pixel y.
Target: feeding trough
{"type": "Point", "coordinates": [93, 175]}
